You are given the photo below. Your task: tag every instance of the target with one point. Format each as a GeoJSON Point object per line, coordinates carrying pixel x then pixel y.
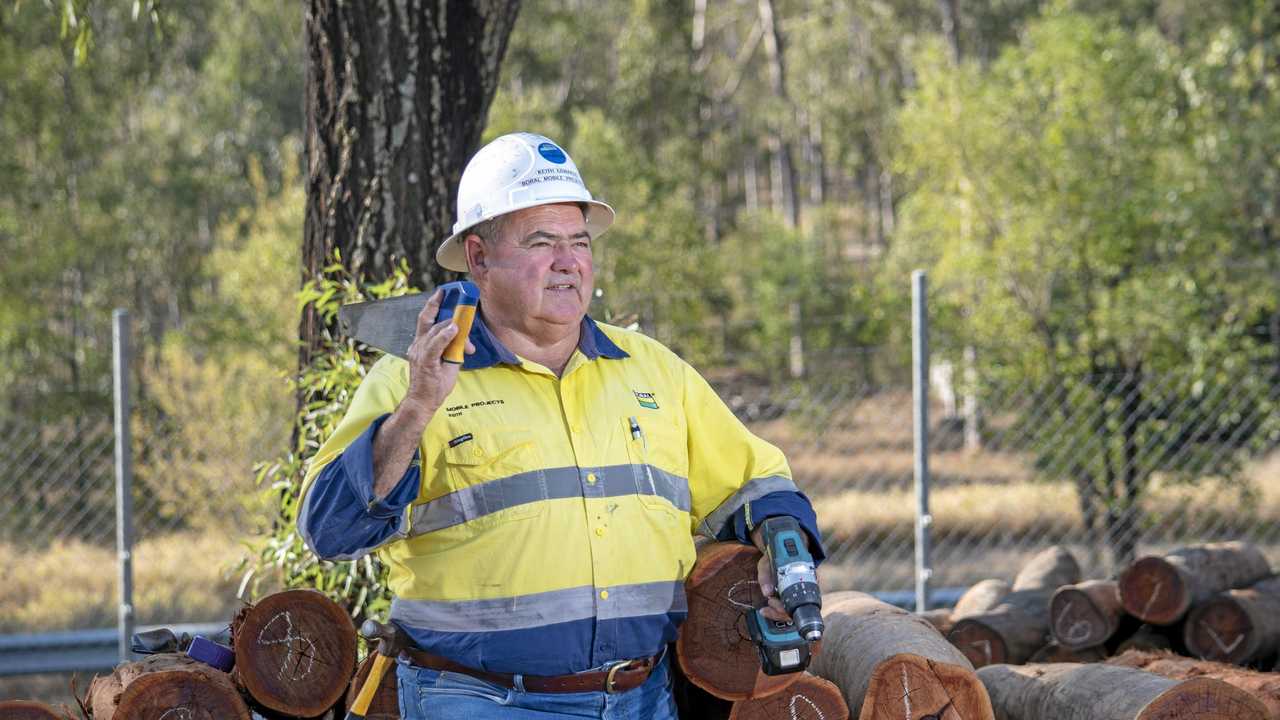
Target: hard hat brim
{"type": "Point", "coordinates": [452, 254]}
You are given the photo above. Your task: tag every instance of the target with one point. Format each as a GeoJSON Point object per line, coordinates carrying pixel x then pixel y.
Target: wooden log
{"type": "Point", "coordinates": [1238, 626]}
{"type": "Point", "coordinates": [1264, 686]}
{"type": "Point", "coordinates": [1161, 589]}
{"type": "Point", "coordinates": [1086, 614]}
{"type": "Point", "coordinates": [1052, 567]}
{"type": "Point", "coordinates": [1150, 638]}
{"type": "Point", "coordinates": [694, 702]}
{"type": "Point", "coordinates": [295, 652]}
{"type": "Point", "coordinates": [30, 710]}
{"type": "Point", "coordinates": [1055, 653]}
{"type": "Point", "coordinates": [1011, 633]}
{"type": "Point", "coordinates": [1107, 692]}
{"type": "Point", "coordinates": [939, 618]}
{"type": "Point", "coordinates": [158, 685]}
{"type": "Point", "coordinates": [889, 663]}
{"type": "Point", "coordinates": [714, 648]}
{"type": "Point", "coordinates": [980, 598]}
{"type": "Point", "coordinates": [386, 701]}
{"type": "Point", "coordinates": [809, 698]}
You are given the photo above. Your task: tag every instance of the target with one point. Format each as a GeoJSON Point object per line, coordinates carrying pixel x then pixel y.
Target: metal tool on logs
{"type": "Point", "coordinates": [391, 640]}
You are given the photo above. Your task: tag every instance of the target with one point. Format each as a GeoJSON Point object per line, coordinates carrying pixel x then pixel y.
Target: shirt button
{"type": "Point", "coordinates": [604, 594]}
{"type": "Point", "coordinates": [600, 531]}
{"type": "Point", "coordinates": [478, 452]}
{"type": "Point", "coordinates": [576, 429]}
{"type": "Point", "coordinates": [591, 478]}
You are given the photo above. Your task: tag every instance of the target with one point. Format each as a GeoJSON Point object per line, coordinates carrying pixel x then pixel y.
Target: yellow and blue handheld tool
{"type": "Point", "coordinates": [458, 304]}
{"type": "Point", "coordinates": [784, 647]}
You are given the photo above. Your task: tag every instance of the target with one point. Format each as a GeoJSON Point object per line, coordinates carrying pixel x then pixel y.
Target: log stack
{"type": "Point", "coordinates": [28, 710]}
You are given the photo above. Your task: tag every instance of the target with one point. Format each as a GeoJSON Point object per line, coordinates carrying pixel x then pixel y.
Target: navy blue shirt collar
{"type": "Point", "coordinates": [592, 343]}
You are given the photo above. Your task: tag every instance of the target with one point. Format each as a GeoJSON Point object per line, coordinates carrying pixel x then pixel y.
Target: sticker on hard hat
{"type": "Point", "coordinates": [552, 153]}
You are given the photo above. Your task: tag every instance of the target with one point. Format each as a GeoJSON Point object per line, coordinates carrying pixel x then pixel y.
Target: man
{"type": "Point", "coordinates": [536, 505]}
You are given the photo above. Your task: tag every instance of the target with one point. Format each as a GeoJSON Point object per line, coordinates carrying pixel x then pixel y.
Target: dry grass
{"type": "Point", "coordinates": [73, 585]}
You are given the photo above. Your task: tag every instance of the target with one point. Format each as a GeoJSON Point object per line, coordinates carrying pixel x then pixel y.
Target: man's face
{"type": "Point", "coordinates": [538, 271]}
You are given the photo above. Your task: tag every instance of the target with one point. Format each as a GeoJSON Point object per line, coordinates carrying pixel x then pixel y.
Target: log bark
{"type": "Point", "coordinates": [295, 652]}
{"type": "Point", "coordinates": [1056, 653]}
{"type": "Point", "coordinates": [939, 618]}
{"type": "Point", "coordinates": [1011, 633]}
{"type": "Point", "coordinates": [980, 598]}
{"type": "Point", "coordinates": [1148, 638]}
{"type": "Point", "coordinates": [160, 684]}
{"type": "Point", "coordinates": [29, 710]}
{"type": "Point", "coordinates": [1238, 626]}
{"type": "Point", "coordinates": [1161, 589]}
{"type": "Point", "coordinates": [889, 663]}
{"type": "Point", "coordinates": [1051, 568]}
{"type": "Point", "coordinates": [386, 701]}
{"type": "Point", "coordinates": [809, 698]}
{"type": "Point", "coordinates": [1086, 614]}
{"type": "Point", "coordinates": [1107, 692]}
{"type": "Point", "coordinates": [714, 648]}
{"type": "Point", "coordinates": [1264, 686]}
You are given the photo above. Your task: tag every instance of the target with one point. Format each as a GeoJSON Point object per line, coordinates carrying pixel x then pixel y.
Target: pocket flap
{"type": "Point", "coordinates": [479, 447]}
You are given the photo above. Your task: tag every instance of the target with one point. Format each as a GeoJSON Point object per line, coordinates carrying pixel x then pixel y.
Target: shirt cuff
{"type": "Point", "coordinates": [796, 504]}
{"type": "Point", "coordinates": [357, 461]}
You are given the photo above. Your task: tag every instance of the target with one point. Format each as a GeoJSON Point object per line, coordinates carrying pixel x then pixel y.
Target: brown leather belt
{"type": "Point", "coordinates": [624, 676]}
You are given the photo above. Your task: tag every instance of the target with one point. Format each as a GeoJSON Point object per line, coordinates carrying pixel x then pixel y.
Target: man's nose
{"type": "Point", "coordinates": [564, 259]}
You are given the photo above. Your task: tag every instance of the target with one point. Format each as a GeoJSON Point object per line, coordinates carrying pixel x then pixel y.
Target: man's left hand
{"type": "Point", "coordinates": [775, 610]}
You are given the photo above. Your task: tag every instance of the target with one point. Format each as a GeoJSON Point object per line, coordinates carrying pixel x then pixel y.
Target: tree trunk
{"type": "Point", "coordinates": [295, 652]}
{"type": "Point", "coordinates": [158, 685]}
{"type": "Point", "coordinates": [1160, 590]}
{"type": "Point", "coordinates": [386, 701]}
{"type": "Point", "coordinates": [28, 710]}
{"type": "Point", "coordinates": [1015, 629]}
{"type": "Point", "coordinates": [980, 598]}
{"type": "Point", "coordinates": [809, 698]}
{"type": "Point", "coordinates": [1105, 692]}
{"type": "Point", "coordinates": [1056, 653]}
{"type": "Point", "coordinates": [1086, 614]}
{"type": "Point", "coordinates": [397, 97]}
{"type": "Point", "coordinates": [714, 647]}
{"type": "Point", "coordinates": [892, 664]}
{"type": "Point", "coordinates": [1264, 686]}
{"type": "Point", "coordinates": [1238, 626]}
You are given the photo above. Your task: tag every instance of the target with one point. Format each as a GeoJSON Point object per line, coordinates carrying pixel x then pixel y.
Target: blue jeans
{"type": "Point", "coordinates": [433, 695]}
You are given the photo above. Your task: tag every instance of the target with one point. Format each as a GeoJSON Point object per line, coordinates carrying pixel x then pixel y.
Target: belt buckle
{"type": "Point", "coordinates": [609, 679]}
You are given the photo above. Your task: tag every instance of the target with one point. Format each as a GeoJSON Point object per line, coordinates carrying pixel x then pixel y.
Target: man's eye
{"type": "Point", "coordinates": [582, 244]}
{"type": "Point", "coordinates": [539, 244]}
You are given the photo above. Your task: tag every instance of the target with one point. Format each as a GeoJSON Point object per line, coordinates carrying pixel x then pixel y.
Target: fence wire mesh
{"type": "Point", "coordinates": [1109, 465]}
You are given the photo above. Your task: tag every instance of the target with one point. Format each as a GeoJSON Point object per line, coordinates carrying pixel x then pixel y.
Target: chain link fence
{"type": "Point", "coordinates": [1109, 465]}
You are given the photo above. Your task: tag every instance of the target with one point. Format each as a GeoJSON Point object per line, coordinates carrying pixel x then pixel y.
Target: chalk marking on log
{"type": "Point", "coordinates": [986, 648]}
{"type": "Point", "coordinates": [734, 587]}
{"type": "Point", "coordinates": [906, 692]}
{"type": "Point", "coordinates": [1152, 600]}
{"type": "Point", "coordinates": [792, 707]}
{"type": "Point", "coordinates": [288, 642]}
{"type": "Point", "coordinates": [1226, 649]}
{"type": "Point", "coordinates": [1079, 630]}
{"type": "Point", "coordinates": [182, 714]}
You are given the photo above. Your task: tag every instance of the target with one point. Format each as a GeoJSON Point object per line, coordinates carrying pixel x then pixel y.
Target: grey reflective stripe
{"type": "Point", "coordinates": [753, 490]}
{"type": "Point", "coordinates": [552, 484]}
{"type": "Point", "coordinates": [539, 609]}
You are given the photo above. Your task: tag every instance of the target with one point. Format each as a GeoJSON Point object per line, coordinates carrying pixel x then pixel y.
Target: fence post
{"type": "Point", "coordinates": [920, 433]}
{"type": "Point", "coordinates": [120, 333]}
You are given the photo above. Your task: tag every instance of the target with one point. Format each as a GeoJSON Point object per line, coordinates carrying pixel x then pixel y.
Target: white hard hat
{"type": "Point", "coordinates": [513, 172]}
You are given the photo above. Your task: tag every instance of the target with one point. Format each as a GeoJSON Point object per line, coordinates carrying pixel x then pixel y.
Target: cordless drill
{"type": "Point", "coordinates": [784, 647]}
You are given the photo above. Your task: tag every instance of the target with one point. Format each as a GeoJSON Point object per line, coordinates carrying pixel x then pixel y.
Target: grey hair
{"type": "Point", "coordinates": [489, 230]}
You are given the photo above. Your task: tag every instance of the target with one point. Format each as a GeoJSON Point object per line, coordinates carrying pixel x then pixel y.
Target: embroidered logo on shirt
{"type": "Point", "coordinates": [646, 400]}
{"type": "Point", "coordinates": [460, 439]}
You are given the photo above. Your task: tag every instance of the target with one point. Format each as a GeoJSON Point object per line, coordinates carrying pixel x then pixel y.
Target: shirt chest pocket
{"type": "Point", "coordinates": [659, 455]}
{"type": "Point", "coordinates": [493, 477]}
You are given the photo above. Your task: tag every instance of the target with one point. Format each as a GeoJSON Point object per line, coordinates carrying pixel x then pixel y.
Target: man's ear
{"type": "Point", "coordinates": [476, 256]}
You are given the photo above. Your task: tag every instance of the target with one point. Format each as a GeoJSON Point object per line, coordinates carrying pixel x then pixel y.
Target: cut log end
{"type": "Point", "coordinates": [1153, 591]}
{"type": "Point", "coordinates": [809, 698]}
{"type": "Point", "coordinates": [173, 695]}
{"type": "Point", "coordinates": [980, 644]}
{"type": "Point", "coordinates": [910, 687]}
{"type": "Point", "coordinates": [1085, 615]}
{"type": "Point", "coordinates": [1220, 630]}
{"type": "Point", "coordinates": [1204, 699]}
{"type": "Point", "coordinates": [29, 710]}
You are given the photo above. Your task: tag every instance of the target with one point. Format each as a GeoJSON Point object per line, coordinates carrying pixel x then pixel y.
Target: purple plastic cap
{"type": "Point", "coordinates": [211, 653]}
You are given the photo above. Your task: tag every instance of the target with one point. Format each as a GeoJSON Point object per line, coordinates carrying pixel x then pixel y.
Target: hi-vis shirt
{"type": "Point", "coordinates": [545, 524]}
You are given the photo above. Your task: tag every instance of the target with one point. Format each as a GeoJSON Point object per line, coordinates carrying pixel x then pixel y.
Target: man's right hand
{"type": "Point", "coordinates": [431, 379]}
